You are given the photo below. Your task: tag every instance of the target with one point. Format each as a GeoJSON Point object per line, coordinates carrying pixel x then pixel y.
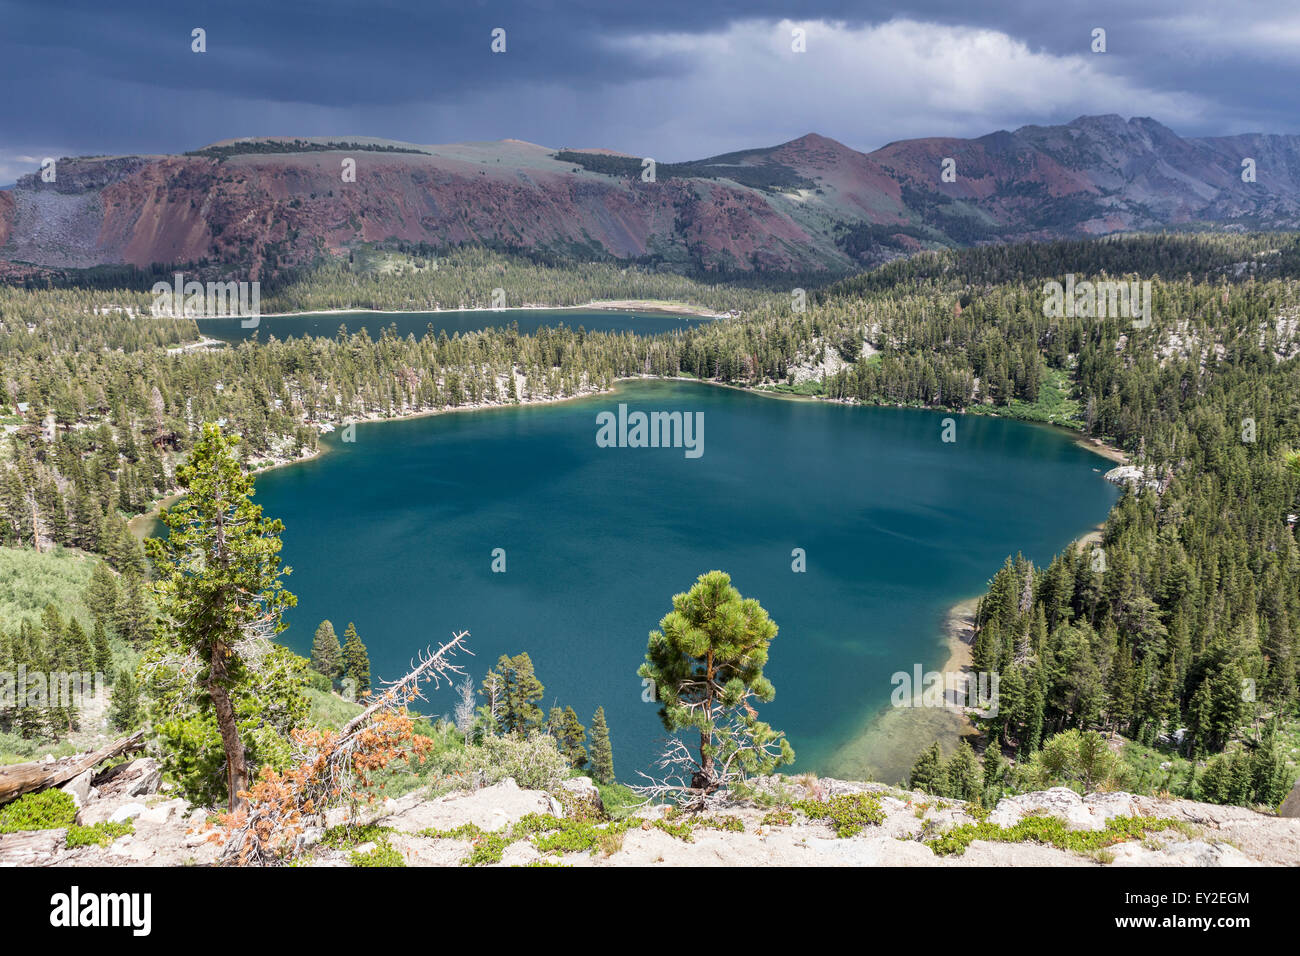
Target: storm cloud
{"type": "Point", "coordinates": [673, 79]}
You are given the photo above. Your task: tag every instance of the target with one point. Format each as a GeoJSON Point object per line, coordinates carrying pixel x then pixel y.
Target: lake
{"type": "Point", "coordinates": [326, 324]}
{"type": "Point", "coordinates": [396, 532]}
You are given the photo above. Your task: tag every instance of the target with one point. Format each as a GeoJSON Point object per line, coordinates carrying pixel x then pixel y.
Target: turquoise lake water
{"type": "Point", "coordinates": [418, 323]}
{"type": "Point", "coordinates": [396, 532]}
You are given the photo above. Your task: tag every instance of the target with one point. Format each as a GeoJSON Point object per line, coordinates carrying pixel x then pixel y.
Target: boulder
{"type": "Point", "coordinates": [581, 792]}
{"type": "Point", "coordinates": [1291, 805]}
{"type": "Point", "coordinates": [132, 849]}
{"type": "Point", "coordinates": [128, 811]}
{"type": "Point", "coordinates": [80, 788]}
{"type": "Point", "coordinates": [164, 812]}
{"type": "Point", "coordinates": [32, 847]}
{"type": "Point", "coordinates": [1061, 802]}
{"type": "Point", "coordinates": [491, 808]}
{"type": "Point", "coordinates": [134, 779]}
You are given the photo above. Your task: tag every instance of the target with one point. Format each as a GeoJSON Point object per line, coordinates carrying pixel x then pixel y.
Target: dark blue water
{"type": "Point", "coordinates": [326, 325]}
{"type": "Point", "coordinates": [396, 532]}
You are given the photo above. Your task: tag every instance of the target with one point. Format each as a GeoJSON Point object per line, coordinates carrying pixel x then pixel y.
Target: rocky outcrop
{"type": "Point", "coordinates": [770, 830]}
{"type": "Point", "coordinates": [133, 779]}
{"type": "Point", "coordinates": [1131, 475]}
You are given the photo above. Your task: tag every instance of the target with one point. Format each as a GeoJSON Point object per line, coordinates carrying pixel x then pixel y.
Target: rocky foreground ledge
{"type": "Point", "coordinates": [793, 822]}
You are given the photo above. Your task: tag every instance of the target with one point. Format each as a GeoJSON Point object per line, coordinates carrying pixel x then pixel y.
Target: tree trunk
{"type": "Point", "coordinates": [17, 779]}
{"type": "Point", "coordinates": [236, 765]}
{"type": "Point", "coordinates": [705, 779]}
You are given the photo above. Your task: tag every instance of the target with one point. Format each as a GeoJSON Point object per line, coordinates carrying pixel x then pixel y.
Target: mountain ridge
{"type": "Point", "coordinates": [260, 205]}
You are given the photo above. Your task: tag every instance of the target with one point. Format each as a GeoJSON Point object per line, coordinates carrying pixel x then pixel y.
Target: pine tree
{"type": "Point", "coordinates": [101, 593]}
{"type": "Point", "coordinates": [602, 753]}
{"type": "Point", "coordinates": [132, 619]}
{"type": "Point", "coordinates": [327, 652]}
{"type": "Point", "coordinates": [237, 588]}
{"type": "Point", "coordinates": [927, 773]}
{"type": "Point", "coordinates": [993, 764]}
{"type": "Point", "coordinates": [103, 651]}
{"type": "Point", "coordinates": [125, 712]}
{"type": "Point", "coordinates": [564, 726]}
{"type": "Point", "coordinates": [356, 661]}
{"type": "Point", "coordinates": [514, 686]}
{"type": "Point", "coordinates": [1035, 705]}
{"type": "Point", "coordinates": [79, 653]}
{"type": "Point", "coordinates": [706, 662]}
{"type": "Point", "coordinates": [964, 778]}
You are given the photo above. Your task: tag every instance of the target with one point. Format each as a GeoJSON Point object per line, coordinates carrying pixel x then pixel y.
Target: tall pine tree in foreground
{"type": "Point", "coordinates": [356, 661]}
{"type": "Point", "coordinates": [219, 580]}
{"type": "Point", "coordinates": [602, 753]}
{"type": "Point", "coordinates": [706, 662]}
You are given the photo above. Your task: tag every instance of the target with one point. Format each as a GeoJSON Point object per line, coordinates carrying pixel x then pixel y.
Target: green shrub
{"type": "Point", "coordinates": [619, 799]}
{"type": "Point", "coordinates": [1051, 831]}
{"type": "Point", "coordinates": [101, 834]}
{"type": "Point", "coordinates": [685, 830]}
{"type": "Point", "coordinates": [848, 813]}
{"type": "Point", "coordinates": [730, 824]}
{"type": "Point", "coordinates": [384, 854]}
{"type": "Point", "coordinates": [47, 810]}
{"type": "Point", "coordinates": [535, 762]}
{"type": "Point", "coordinates": [348, 835]}
{"type": "Point", "coordinates": [550, 834]}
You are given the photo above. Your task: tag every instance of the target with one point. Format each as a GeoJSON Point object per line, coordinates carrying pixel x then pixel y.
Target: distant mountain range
{"type": "Point", "coordinates": [812, 203]}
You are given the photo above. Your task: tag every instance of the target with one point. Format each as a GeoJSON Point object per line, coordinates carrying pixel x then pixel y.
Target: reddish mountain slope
{"type": "Point", "coordinates": [811, 203]}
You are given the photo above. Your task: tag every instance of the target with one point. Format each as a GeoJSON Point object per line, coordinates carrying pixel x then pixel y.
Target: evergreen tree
{"type": "Point", "coordinates": [356, 661]}
{"type": "Point", "coordinates": [124, 714]}
{"type": "Point", "coordinates": [103, 652]}
{"type": "Point", "coordinates": [564, 726]}
{"type": "Point", "coordinates": [963, 777]}
{"type": "Point", "coordinates": [78, 653]}
{"type": "Point", "coordinates": [232, 588]}
{"type": "Point", "coordinates": [602, 753]}
{"type": "Point", "coordinates": [514, 687]}
{"type": "Point", "coordinates": [101, 593]}
{"type": "Point", "coordinates": [327, 652]}
{"type": "Point", "coordinates": [927, 774]}
{"type": "Point", "coordinates": [706, 662]}
{"type": "Point", "coordinates": [993, 765]}
{"type": "Point", "coordinates": [133, 619]}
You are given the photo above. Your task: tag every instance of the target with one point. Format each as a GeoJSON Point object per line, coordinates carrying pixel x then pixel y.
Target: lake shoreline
{"type": "Point", "coordinates": [890, 740]}
{"type": "Point", "coordinates": [898, 725]}
{"type": "Point", "coordinates": [601, 305]}
{"type": "Point", "coordinates": [139, 524]}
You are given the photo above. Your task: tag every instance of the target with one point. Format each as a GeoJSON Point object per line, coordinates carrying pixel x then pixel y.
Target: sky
{"type": "Point", "coordinates": [672, 79]}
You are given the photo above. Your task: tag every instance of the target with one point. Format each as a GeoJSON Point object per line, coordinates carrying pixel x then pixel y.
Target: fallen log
{"type": "Point", "coordinates": [21, 778]}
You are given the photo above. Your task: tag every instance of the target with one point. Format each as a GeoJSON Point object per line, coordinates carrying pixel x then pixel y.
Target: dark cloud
{"type": "Point", "coordinates": [120, 77]}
